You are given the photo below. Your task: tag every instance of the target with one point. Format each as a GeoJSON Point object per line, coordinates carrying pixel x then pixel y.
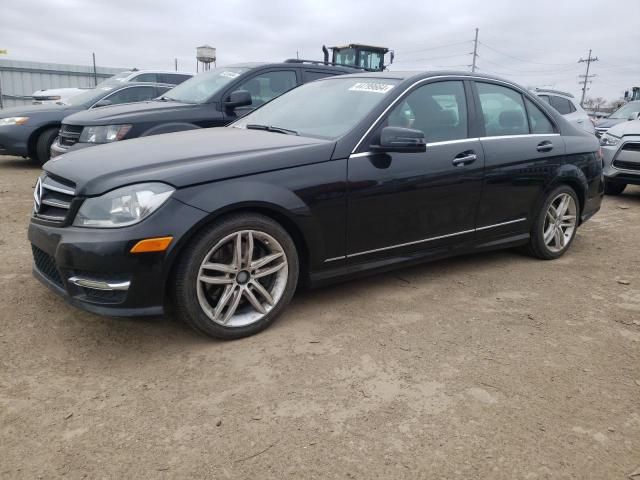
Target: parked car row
{"type": "Point", "coordinates": [339, 177]}
{"type": "Point", "coordinates": [54, 95]}
{"type": "Point", "coordinates": [210, 99]}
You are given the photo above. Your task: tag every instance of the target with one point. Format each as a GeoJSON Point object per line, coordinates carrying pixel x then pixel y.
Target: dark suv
{"type": "Point", "coordinates": [336, 178]}
{"type": "Point", "coordinates": [211, 99]}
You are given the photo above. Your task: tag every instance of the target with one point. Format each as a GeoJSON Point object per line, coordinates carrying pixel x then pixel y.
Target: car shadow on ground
{"type": "Point", "coordinates": [11, 163]}
{"type": "Point", "coordinates": [155, 333]}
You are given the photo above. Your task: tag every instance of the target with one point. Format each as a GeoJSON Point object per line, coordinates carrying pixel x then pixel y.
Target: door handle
{"type": "Point", "coordinates": [545, 146]}
{"type": "Point", "coordinates": [580, 120]}
{"type": "Point", "coordinates": [465, 158]}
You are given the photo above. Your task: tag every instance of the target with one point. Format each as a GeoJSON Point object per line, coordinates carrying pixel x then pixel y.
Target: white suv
{"type": "Point", "coordinates": [567, 106]}
{"type": "Point", "coordinates": [151, 76]}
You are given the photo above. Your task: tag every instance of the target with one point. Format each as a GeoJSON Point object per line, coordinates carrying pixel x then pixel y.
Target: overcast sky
{"type": "Point", "coordinates": [536, 43]}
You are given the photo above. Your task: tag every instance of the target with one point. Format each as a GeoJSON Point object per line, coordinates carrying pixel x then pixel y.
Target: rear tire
{"type": "Point", "coordinates": [611, 188]}
{"type": "Point", "coordinates": [43, 145]}
{"type": "Point", "coordinates": [555, 224]}
{"type": "Point", "coordinates": [236, 276]}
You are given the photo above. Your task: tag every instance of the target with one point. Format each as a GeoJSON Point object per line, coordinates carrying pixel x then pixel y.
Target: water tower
{"type": "Point", "coordinates": [205, 55]}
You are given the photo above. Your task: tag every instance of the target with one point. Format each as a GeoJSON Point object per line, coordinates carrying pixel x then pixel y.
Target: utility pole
{"type": "Point", "coordinates": [586, 76]}
{"type": "Point", "coordinates": [475, 52]}
{"type": "Point", "coordinates": [95, 73]}
{"type": "Point", "coordinates": [175, 60]}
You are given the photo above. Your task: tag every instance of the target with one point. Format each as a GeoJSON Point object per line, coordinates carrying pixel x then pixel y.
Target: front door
{"type": "Point", "coordinates": [400, 202]}
{"type": "Point", "coordinates": [263, 87]}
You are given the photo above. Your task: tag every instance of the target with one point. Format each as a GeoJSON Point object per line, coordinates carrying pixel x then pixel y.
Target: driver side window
{"type": "Point", "coordinates": [269, 85]}
{"type": "Point", "coordinates": [437, 109]}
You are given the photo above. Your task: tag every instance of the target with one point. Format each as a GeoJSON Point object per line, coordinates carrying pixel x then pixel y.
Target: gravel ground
{"type": "Point", "coordinates": [492, 366]}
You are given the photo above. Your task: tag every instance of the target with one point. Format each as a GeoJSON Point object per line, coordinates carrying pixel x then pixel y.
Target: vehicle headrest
{"type": "Point", "coordinates": [511, 119]}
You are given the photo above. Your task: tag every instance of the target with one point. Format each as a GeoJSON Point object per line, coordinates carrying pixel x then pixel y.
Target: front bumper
{"type": "Point", "coordinates": [622, 162]}
{"type": "Point", "coordinates": [94, 270]}
{"type": "Point", "coordinates": [14, 140]}
{"type": "Point", "coordinates": [57, 149]}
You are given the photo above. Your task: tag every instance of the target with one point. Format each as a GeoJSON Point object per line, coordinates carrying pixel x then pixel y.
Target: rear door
{"type": "Point", "coordinates": [522, 152]}
{"type": "Point", "coordinates": [402, 202]}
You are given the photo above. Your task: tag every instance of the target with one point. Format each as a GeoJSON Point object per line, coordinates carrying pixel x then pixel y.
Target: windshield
{"type": "Point", "coordinates": [626, 110]}
{"type": "Point", "coordinates": [202, 87]}
{"type": "Point", "coordinates": [325, 108]}
{"type": "Point", "coordinates": [117, 79]}
{"type": "Point", "coordinates": [89, 97]}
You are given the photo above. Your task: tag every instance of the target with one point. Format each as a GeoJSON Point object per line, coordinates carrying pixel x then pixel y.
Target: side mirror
{"type": "Point", "coordinates": [103, 103]}
{"type": "Point", "coordinates": [634, 116]}
{"type": "Point", "coordinates": [402, 140]}
{"type": "Point", "coordinates": [239, 98]}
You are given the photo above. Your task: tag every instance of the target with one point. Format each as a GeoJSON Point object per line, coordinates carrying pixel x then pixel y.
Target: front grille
{"type": "Point", "coordinates": [46, 265]}
{"type": "Point", "coordinates": [69, 134]}
{"type": "Point", "coordinates": [104, 296]}
{"type": "Point", "coordinates": [52, 199]}
{"type": "Point", "coordinates": [631, 147]}
{"type": "Point", "coordinates": [626, 165]}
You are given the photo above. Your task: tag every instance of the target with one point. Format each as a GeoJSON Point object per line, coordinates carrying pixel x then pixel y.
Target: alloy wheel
{"type": "Point", "coordinates": [560, 222]}
{"type": "Point", "coordinates": [242, 278]}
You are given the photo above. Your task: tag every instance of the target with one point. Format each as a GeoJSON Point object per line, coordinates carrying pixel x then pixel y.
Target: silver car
{"type": "Point", "coordinates": [621, 151]}
{"type": "Point", "coordinates": [566, 105]}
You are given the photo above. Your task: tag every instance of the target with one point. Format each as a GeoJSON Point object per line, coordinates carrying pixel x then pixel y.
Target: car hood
{"type": "Point", "coordinates": [128, 113]}
{"type": "Point", "coordinates": [609, 122]}
{"type": "Point", "coordinates": [186, 158]}
{"type": "Point", "coordinates": [29, 110]}
{"type": "Point", "coordinates": [625, 128]}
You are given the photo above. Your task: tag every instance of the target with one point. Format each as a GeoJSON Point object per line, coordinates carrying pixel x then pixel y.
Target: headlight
{"type": "Point", "coordinates": [123, 206]}
{"type": "Point", "coordinates": [609, 140]}
{"type": "Point", "coordinates": [104, 133]}
{"type": "Point", "coordinates": [48, 98]}
{"type": "Point", "coordinates": [13, 121]}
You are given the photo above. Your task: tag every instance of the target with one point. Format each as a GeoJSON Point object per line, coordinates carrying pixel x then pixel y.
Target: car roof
{"type": "Point", "coordinates": [423, 75]}
{"type": "Point", "coordinates": [551, 91]}
{"type": "Point", "coordinates": [297, 62]}
{"type": "Point", "coordinates": [156, 71]}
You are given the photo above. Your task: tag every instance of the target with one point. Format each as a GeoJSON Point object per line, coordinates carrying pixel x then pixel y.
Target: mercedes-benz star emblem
{"type": "Point", "coordinates": [37, 196]}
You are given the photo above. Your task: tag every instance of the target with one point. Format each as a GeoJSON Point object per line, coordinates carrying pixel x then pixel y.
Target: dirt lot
{"type": "Point", "coordinates": [491, 366]}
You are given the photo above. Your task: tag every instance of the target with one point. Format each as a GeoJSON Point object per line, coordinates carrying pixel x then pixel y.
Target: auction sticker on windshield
{"type": "Point", "coordinates": [371, 87]}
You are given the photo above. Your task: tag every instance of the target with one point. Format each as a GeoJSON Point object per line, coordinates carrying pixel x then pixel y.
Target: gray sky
{"type": "Point", "coordinates": [536, 43]}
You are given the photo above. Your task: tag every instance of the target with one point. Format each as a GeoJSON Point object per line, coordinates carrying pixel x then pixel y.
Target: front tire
{"type": "Point", "coordinates": [611, 188]}
{"type": "Point", "coordinates": [555, 225]}
{"type": "Point", "coordinates": [43, 145]}
{"type": "Point", "coordinates": [236, 276]}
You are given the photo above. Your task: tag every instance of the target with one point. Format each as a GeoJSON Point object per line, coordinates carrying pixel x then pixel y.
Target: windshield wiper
{"type": "Point", "coordinates": [271, 128]}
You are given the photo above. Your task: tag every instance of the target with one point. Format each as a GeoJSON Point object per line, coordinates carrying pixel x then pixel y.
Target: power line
{"type": "Point", "coordinates": [586, 76]}
{"type": "Point", "coordinates": [433, 48]}
{"type": "Point", "coordinates": [532, 72]}
{"type": "Point", "coordinates": [521, 59]}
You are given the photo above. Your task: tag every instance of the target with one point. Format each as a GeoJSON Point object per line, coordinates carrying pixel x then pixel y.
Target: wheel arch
{"type": "Point", "coordinates": [271, 211]}
{"type": "Point", "coordinates": [573, 177]}
{"type": "Point", "coordinates": [171, 127]}
{"type": "Point", "coordinates": [33, 138]}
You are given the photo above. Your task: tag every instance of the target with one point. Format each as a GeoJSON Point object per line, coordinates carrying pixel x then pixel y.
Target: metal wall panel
{"type": "Point", "coordinates": [19, 79]}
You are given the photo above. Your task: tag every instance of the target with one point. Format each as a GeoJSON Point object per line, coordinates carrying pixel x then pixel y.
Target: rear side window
{"type": "Point", "coordinates": [310, 76]}
{"type": "Point", "coordinates": [172, 78]}
{"type": "Point", "coordinates": [503, 110]}
{"type": "Point", "coordinates": [438, 109]}
{"type": "Point", "coordinates": [562, 105]}
{"type": "Point", "coordinates": [537, 119]}
{"type": "Point", "coordinates": [145, 77]}
{"type": "Point", "coordinates": [269, 85]}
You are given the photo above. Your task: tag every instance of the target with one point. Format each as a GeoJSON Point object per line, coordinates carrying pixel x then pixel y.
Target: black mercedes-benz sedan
{"type": "Point", "coordinates": [336, 178]}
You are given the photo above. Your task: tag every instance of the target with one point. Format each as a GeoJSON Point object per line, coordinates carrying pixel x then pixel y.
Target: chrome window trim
{"type": "Point", "coordinates": [430, 239]}
{"type": "Point", "coordinates": [452, 77]}
{"type": "Point", "coordinates": [524, 135]}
